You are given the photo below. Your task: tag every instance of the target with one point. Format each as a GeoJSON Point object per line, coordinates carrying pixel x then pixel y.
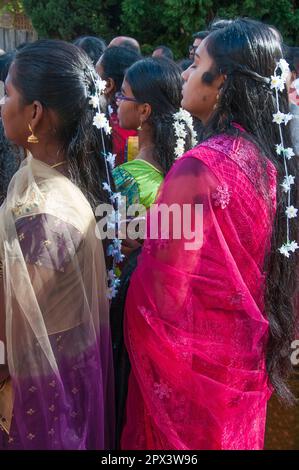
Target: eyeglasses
{"type": "Point", "coordinates": [119, 96]}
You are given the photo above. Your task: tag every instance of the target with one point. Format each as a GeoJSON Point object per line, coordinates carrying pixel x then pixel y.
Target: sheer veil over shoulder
{"type": "Point", "coordinates": [57, 316]}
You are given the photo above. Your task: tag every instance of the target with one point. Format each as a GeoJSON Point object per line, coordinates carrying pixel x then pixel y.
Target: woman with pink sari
{"type": "Point", "coordinates": [208, 325]}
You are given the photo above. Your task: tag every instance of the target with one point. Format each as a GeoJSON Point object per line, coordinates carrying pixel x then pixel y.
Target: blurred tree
{"type": "Point", "coordinates": [169, 22]}
{"type": "Point", "coordinates": [13, 6]}
{"type": "Point", "coordinates": [67, 19]}
{"type": "Point", "coordinates": [172, 22]}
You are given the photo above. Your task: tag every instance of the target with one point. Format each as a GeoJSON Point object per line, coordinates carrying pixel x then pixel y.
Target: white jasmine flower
{"type": "Point", "coordinates": [111, 292]}
{"type": "Point", "coordinates": [288, 247]}
{"type": "Point", "coordinates": [180, 148]}
{"type": "Point", "coordinates": [111, 220]}
{"type": "Point", "coordinates": [110, 157]}
{"type": "Point", "coordinates": [194, 138]}
{"type": "Point", "coordinates": [286, 187]}
{"type": "Point", "coordinates": [117, 243]}
{"type": "Point", "coordinates": [278, 117]}
{"type": "Point", "coordinates": [277, 82]}
{"type": "Point", "coordinates": [179, 130]}
{"type": "Point", "coordinates": [291, 212]}
{"type": "Point", "coordinates": [182, 115]}
{"type": "Point", "coordinates": [107, 187]}
{"type": "Point", "coordinates": [289, 153]}
{"type": "Point", "coordinates": [284, 250]}
{"type": "Point", "coordinates": [94, 101]}
{"type": "Point", "coordinates": [284, 67]}
{"type": "Point", "coordinates": [101, 85]}
{"type": "Point", "coordinates": [279, 149]}
{"type": "Point", "coordinates": [287, 118]}
{"type": "Point", "coordinates": [107, 128]}
{"type": "Point", "coordinates": [293, 246]}
{"type": "Point", "coordinates": [111, 275]}
{"type": "Point", "coordinates": [100, 121]}
{"type": "Point", "coordinates": [287, 182]}
{"type": "Point", "coordinates": [116, 196]}
{"type": "Point", "coordinates": [290, 178]}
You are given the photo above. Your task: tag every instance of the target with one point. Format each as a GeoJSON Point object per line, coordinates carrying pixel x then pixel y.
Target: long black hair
{"type": "Point", "coordinates": [5, 62]}
{"type": "Point", "coordinates": [93, 46]}
{"type": "Point", "coordinates": [115, 61]}
{"type": "Point", "coordinates": [247, 51]}
{"type": "Point", "coordinates": [158, 82]}
{"type": "Point", "coordinates": [61, 77]}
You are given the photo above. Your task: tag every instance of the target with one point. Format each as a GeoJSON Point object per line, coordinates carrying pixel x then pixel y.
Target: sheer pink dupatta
{"type": "Point", "coordinates": [195, 325]}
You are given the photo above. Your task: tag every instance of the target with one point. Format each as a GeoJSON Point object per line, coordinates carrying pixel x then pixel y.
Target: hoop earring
{"type": "Point", "coordinates": [32, 139]}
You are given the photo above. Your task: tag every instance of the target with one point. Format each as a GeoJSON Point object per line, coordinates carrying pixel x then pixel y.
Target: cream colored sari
{"type": "Point", "coordinates": [56, 314]}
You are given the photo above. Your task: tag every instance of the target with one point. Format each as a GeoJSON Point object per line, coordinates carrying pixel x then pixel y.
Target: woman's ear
{"type": "Point", "coordinates": [110, 86]}
{"type": "Point", "coordinates": [222, 78]}
{"type": "Point", "coordinates": [145, 111]}
{"type": "Point", "coordinates": [36, 112]}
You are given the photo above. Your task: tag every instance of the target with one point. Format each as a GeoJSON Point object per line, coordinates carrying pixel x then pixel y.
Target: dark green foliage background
{"type": "Point", "coordinates": [154, 22]}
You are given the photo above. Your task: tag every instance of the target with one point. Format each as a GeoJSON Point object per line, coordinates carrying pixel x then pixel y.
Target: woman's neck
{"type": "Point", "coordinates": [147, 149]}
{"type": "Point", "coordinates": [49, 154]}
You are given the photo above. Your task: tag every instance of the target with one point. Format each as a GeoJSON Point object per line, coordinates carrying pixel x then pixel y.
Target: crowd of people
{"type": "Point", "coordinates": [150, 342]}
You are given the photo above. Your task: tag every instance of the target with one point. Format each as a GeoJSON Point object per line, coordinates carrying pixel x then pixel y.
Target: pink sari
{"type": "Point", "coordinates": [195, 324]}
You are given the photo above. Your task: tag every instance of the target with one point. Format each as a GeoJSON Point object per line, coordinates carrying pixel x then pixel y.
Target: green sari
{"type": "Point", "coordinates": [139, 181]}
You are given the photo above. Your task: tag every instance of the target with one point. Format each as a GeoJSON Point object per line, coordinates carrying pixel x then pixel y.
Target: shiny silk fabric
{"type": "Point", "coordinates": [195, 325]}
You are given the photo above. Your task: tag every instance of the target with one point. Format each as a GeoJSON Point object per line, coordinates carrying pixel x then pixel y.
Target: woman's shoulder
{"type": "Point", "coordinates": [237, 152]}
{"type": "Point", "coordinates": [137, 165]}
{"type": "Point", "coordinates": [236, 162]}
{"type": "Point", "coordinates": [138, 180]}
{"type": "Point", "coordinates": [136, 171]}
{"type": "Point", "coordinates": [220, 143]}
{"type": "Point", "coordinates": [47, 240]}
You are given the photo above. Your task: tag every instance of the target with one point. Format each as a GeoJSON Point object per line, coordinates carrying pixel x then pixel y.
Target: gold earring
{"type": "Point", "coordinates": [32, 139]}
{"type": "Point", "coordinates": [217, 99]}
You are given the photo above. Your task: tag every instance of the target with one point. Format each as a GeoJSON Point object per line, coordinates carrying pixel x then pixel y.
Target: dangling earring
{"type": "Point", "coordinates": [32, 139]}
{"type": "Point", "coordinates": [217, 99]}
{"type": "Point", "coordinates": [139, 128]}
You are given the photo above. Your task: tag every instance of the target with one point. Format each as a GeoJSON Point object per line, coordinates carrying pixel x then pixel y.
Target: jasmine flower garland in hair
{"type": "Point", "coordinates": [114, 283]}
{"type": "Point", "coordinates": [278, 83]}
{"type": "Point", "coordinates": [110, 157]}
{"type": "Point", "coordinates": [101, 122]}
{"type": "Point", "coordinates": [94, 101]}
{"type": "Point", "coordinates": [182, 119]}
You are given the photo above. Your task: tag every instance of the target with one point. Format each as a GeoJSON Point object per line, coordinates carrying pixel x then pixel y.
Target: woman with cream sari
{"type": "Point", "coordinates": [56, 390]}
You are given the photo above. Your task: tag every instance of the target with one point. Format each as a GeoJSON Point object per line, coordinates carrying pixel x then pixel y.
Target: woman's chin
{"type": "Point", "coordinates": [184, 104]}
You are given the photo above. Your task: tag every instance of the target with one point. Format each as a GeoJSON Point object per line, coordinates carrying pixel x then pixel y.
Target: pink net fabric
{"type": "Point", "coordinates": [195, 325]}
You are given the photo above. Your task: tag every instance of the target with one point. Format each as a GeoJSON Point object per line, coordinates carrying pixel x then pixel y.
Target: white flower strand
{"type": "Point", "coordinates": [278, 83]}
{"type": "Point", "coordinates": [182, 119]}
{"type": "Point", "coordinates": [102, 123]}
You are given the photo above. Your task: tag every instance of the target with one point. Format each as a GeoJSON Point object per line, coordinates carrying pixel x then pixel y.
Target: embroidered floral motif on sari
{"type": "Point", "coordinates": [198, 378]}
